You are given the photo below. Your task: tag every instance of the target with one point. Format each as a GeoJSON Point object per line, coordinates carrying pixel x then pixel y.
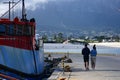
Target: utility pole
{"type": "Point", "coordinates": [9, 6]}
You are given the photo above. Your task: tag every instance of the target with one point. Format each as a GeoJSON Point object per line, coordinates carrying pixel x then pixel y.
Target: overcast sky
{"type": "Point", "coordinates": [30, 4]}
{"type": "Point", "coordinates": [33, 4]}
{"type": "Point", "coordinates": [70, 12]}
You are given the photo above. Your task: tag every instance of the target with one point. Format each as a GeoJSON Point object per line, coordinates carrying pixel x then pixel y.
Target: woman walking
{"type": "Point", "coordinates": [93, 54]}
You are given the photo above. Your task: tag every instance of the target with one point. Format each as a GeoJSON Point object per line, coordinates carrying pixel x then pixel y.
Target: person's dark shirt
{"type": "Point", "coordinates": [86, 51]}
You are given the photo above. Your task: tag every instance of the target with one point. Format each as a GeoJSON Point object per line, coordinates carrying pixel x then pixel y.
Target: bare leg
{"type": "Point", "coordinates": [92, 64]}
{"type": "Point", "coordinates": [87, 67]}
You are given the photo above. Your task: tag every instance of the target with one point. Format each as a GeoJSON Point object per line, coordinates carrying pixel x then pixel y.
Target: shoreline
{"type": "Point", "coordinates": [107, 44]}
{"type": "Point", "coordinates": [102, 48]}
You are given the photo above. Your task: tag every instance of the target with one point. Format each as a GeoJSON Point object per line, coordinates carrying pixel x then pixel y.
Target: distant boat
{"type": "Point", "coordinates": [20, 52]}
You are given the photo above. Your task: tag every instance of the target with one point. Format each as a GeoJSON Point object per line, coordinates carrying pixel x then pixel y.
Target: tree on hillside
{"type": "Point", "coordinates": [45, 38]}
{"type": "Point", "coordinates": [60, 37]}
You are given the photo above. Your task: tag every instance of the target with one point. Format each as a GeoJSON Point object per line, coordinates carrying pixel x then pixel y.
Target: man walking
{"type": "Point", "coordinates": [85, 53]}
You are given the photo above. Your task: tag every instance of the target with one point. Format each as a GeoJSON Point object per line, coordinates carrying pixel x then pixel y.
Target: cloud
{"type": "Point", "coordinates": [29, 4]}
{"type": "Point", "coordinates": [33, 4]}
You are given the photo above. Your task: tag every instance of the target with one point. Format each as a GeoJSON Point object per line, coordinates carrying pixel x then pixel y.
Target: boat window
{"type": "Point", "coordinates": [2, 29]}
{"type": "Point", "coordinates": [6, 29]}
{"type": "Point", "coordinates": [10, 29]}
{"type": "Point", "coordinates": [24, 30]}
{"type": "Point", "coordinates": [18, 30]}
{"type": "Point", "coordinates": [27, 30]}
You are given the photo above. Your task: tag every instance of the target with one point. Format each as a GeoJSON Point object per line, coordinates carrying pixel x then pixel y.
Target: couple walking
{"type": "Point", "coordinates": [86, 52]}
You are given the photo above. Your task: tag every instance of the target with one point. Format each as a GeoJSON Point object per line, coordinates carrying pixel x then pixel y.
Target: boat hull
{"type": "Point", "coordinates": [26, 61]}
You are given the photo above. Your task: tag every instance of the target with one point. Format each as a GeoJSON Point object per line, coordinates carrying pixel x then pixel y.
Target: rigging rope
{"type": "Point", "coordinates": [10, 8]}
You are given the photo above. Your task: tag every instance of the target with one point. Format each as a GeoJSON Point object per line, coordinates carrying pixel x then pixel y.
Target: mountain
{"type": "Point", "coordinates": [78, 15]}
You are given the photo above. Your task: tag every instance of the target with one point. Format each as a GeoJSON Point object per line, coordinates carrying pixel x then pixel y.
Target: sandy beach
{"type": "Point", "coordinates": [108, 44]}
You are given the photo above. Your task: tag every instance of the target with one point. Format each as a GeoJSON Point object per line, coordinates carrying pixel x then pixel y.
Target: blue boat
{"type": "Point", "coordinates": [20, 52]}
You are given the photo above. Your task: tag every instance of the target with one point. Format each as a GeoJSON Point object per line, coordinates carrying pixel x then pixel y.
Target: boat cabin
{"type": "Point", "coordinates": [17, 32]}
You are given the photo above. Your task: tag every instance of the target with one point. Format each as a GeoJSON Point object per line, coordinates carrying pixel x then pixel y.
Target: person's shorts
{"type": "Point", "coordinates": [86, 58]}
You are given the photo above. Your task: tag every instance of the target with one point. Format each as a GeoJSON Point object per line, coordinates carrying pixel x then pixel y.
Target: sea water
{"type": "Point", "coordinates": [77, 48]}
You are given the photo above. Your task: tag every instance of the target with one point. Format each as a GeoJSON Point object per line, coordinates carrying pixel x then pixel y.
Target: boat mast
{"type": "Point", "coordinates": [23, 11]}
{"type": "Point", "coordinates": [24, 19]}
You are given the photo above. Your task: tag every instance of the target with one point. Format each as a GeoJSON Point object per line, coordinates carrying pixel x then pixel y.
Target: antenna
{"type": "Point", "coordinates": [23, 11]}
{"type": "Point", "coordinates": [9, 7]}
